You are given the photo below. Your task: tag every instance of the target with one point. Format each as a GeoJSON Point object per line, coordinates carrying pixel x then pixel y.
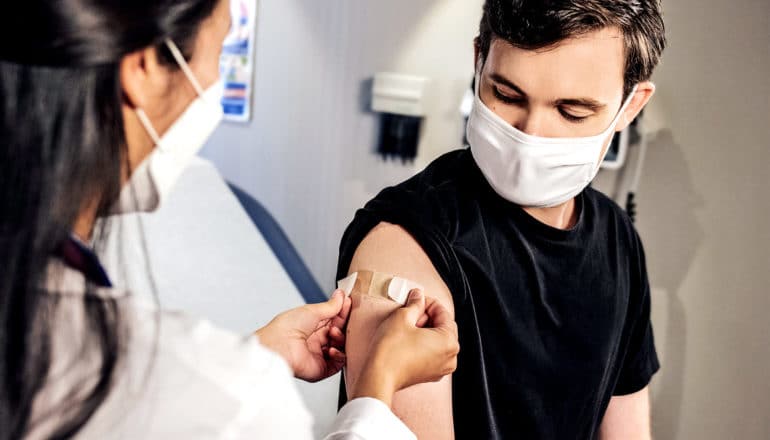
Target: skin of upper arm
{"type": "Point", "coordinates": [426, 408]}
{"type": "Point", "coordinates": [627, 418]}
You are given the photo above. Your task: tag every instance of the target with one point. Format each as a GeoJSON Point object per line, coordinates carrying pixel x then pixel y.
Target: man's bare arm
{"type": "Point", "coordinates": [426, 408]}
{"type": "Point", "coordinates": [627, 418]}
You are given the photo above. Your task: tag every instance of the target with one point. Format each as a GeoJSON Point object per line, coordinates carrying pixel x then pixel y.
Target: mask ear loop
{"type": "Point", "coordinates": [179, 58]}
{"type": "Point", "coordinates": [614, 125]}
{"type": "Point", "coordinates": [149, 128]}
{"type": "Point", "coordinates": [177, 54]}
{"type": "Point", "coordinates": [624, 107]}
{"type": "Point", "coordinates": [477, 80]}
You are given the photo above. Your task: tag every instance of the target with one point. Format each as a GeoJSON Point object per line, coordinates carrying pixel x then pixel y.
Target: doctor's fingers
{"type": "Point", "coordinates": [328, 310]}
{"type": "Point", "coordinates": [423, 321]}
{"type": "Point", "coordinates": [439, 316]}
{"type": "Point", "coordinates": [336, 361]}
{"type": "Point", "coordinates": [445, 347]}
{"type": "Point", "coordinates": [433, 312]}
{"type": "Point", "coordinates": [335, 355]}
{"type": "Point", "coordinates": [337, 338]}
{"type": "Point", "coordinates": [414, 308]}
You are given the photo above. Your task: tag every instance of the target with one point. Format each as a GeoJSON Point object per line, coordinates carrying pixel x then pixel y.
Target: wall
{"type": "Point", "coordinates": [704, 202]}
{"type": "Point", "coordinates": [308, 153]}
{"type": "Point", "coordinates": [704, 207]}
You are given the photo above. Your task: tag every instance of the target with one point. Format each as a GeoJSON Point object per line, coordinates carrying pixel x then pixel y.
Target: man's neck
{"type": "Point", "coordinates": [564, 216]}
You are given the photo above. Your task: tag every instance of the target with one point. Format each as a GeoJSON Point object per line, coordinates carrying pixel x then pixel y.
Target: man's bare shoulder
{"type": "Point", "coordinates": [390, 249]}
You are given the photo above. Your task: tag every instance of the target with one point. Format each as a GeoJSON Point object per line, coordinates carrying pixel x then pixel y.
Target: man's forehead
{"type": "Point", "coordinates": [592, 65]}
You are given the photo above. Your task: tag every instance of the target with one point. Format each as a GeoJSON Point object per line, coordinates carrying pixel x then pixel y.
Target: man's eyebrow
{"type": "Point", "coordinates": [496, 77]}
{"type": "Point", "coordinates": [588, 103]}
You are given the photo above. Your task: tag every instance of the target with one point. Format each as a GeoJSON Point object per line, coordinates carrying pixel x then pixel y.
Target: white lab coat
{"type": "Point", "coordinates": [183, 378]}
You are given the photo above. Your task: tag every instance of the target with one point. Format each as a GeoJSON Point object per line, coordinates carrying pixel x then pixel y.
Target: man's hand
{"type": "Point", "coordinates": [310, 338]}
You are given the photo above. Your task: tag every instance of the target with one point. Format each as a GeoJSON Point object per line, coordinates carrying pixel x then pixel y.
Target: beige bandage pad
{"type": "Point", "coordinates": [379, 285]}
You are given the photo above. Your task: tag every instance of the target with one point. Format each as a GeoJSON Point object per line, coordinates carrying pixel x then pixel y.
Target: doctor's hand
{"type": "Point", "coordinates": [310, 338]}
{"type": "Point", "coordinates": [417, 343]}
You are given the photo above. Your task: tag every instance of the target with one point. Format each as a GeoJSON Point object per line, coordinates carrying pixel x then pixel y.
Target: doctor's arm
{"type": "Point", "coordinates": [413, 344]}
{"type": "Point", "coordinates": [627, 418]}
{"type": "Point", "coordinates": [426, 408]}
{"type": "Point", "coordinates": [416, 343]}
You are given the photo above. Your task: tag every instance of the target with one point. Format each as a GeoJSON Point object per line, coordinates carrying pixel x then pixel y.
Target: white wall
{"type": "Point", "coordinates": [705, 204]}
{"type": "Point", "coordinates": [704, 201]}
{"type": "Point", "coordinates": [308, 153]}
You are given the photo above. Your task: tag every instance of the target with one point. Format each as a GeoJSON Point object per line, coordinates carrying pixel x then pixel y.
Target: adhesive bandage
{"type": "Point", "coordinates": [379, 285]}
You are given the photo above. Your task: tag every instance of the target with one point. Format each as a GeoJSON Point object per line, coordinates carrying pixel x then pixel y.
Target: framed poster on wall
{"type": "Point", "coordinates": [237, 62]}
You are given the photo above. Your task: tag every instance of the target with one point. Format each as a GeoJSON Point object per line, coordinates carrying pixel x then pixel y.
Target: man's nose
{"type": "Point", "coordinates": [532, 122]}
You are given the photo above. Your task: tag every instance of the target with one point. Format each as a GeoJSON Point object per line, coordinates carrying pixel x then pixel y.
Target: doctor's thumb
{"type": "Point", "coordinates": [415, 306]}
{"type": "Point", "coordinates": [330, 308]}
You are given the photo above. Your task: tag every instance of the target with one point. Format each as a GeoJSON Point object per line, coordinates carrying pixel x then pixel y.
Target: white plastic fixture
{"type": "Point", "coordinates": [399, 94]}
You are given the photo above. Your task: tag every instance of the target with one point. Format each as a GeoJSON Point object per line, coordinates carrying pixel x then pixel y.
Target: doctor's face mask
{"type": "Point", "coordinates": [152, 181]}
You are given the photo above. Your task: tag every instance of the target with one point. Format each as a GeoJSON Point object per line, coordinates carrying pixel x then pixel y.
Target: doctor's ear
{"type": "Point", "coordinates": [644, 92]}
{"type": "Point", "coordinates": [142, 78]}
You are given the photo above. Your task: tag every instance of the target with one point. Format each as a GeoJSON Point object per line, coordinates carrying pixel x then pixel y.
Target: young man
{"type": "Point", "coordinates": [546, 277]}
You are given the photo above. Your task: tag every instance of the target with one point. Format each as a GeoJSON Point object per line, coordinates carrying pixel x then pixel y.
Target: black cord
{"type": "Point", "coordinates": [631, 206]}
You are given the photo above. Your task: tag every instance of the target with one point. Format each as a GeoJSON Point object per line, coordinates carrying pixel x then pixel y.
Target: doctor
{"type": "Point", "coordinates": [101, 106]}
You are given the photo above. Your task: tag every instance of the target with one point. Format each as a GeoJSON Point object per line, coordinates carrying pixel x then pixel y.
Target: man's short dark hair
{"type": "Point", "coordinates": [540, 24]}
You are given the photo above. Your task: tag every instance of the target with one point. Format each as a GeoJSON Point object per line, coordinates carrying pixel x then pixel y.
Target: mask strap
{"type": "Point", "coordinates": [477, 80]}
{"type": "Point", "coordinates": [179, 58]}
{"type": "Point", "coordinates": [177, 54]}
{"type": "Point", "coordinates": [149, 128]}
{"type": "Point", "coordinates": [624, 107]}
{"type": "Point", "coordinates": [614, 125]}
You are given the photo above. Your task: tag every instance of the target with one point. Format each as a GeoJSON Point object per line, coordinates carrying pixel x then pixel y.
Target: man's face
{"type": "Point", "coordinates": [572, 90]}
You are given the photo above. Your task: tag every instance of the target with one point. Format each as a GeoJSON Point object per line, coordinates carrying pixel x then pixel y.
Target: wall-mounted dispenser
{"type": "Point", "coordinates": [401, 100]}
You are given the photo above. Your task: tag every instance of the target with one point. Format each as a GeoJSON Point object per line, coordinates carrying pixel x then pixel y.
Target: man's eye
{"type": "Point", "coordinates": [572, 118]}
{"type": "Point", "coordinates": [506, 99]}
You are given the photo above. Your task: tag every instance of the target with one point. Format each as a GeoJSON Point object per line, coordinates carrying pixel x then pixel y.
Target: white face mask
{"type": "Point", "coordinates": [152, 181]}
{"type": "Point", "coordinates": [530, 170]}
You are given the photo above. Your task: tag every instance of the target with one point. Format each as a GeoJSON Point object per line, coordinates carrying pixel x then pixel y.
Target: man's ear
{"type": "Point", "coordinates": [476, 53]}
{"type": "Point", "coordinates": [141, 77]}
{"type": "Point", "coordinates": [644, 92]}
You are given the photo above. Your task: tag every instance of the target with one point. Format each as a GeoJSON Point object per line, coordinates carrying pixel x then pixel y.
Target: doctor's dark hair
{"type": "Point", "coordinates": [62, 149]}
{"type": "Point", "coordinates": [540, 24]}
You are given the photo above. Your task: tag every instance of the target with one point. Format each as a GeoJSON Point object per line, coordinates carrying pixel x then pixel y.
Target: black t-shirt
{"type": "Point", "coordinates": [552, 323]}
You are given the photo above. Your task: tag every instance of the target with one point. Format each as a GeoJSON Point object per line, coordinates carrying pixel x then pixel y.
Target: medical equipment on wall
{"type": "Point", "coordinates": [617, 151]}
{"type": "Point", "coordinates": [401, 100]}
